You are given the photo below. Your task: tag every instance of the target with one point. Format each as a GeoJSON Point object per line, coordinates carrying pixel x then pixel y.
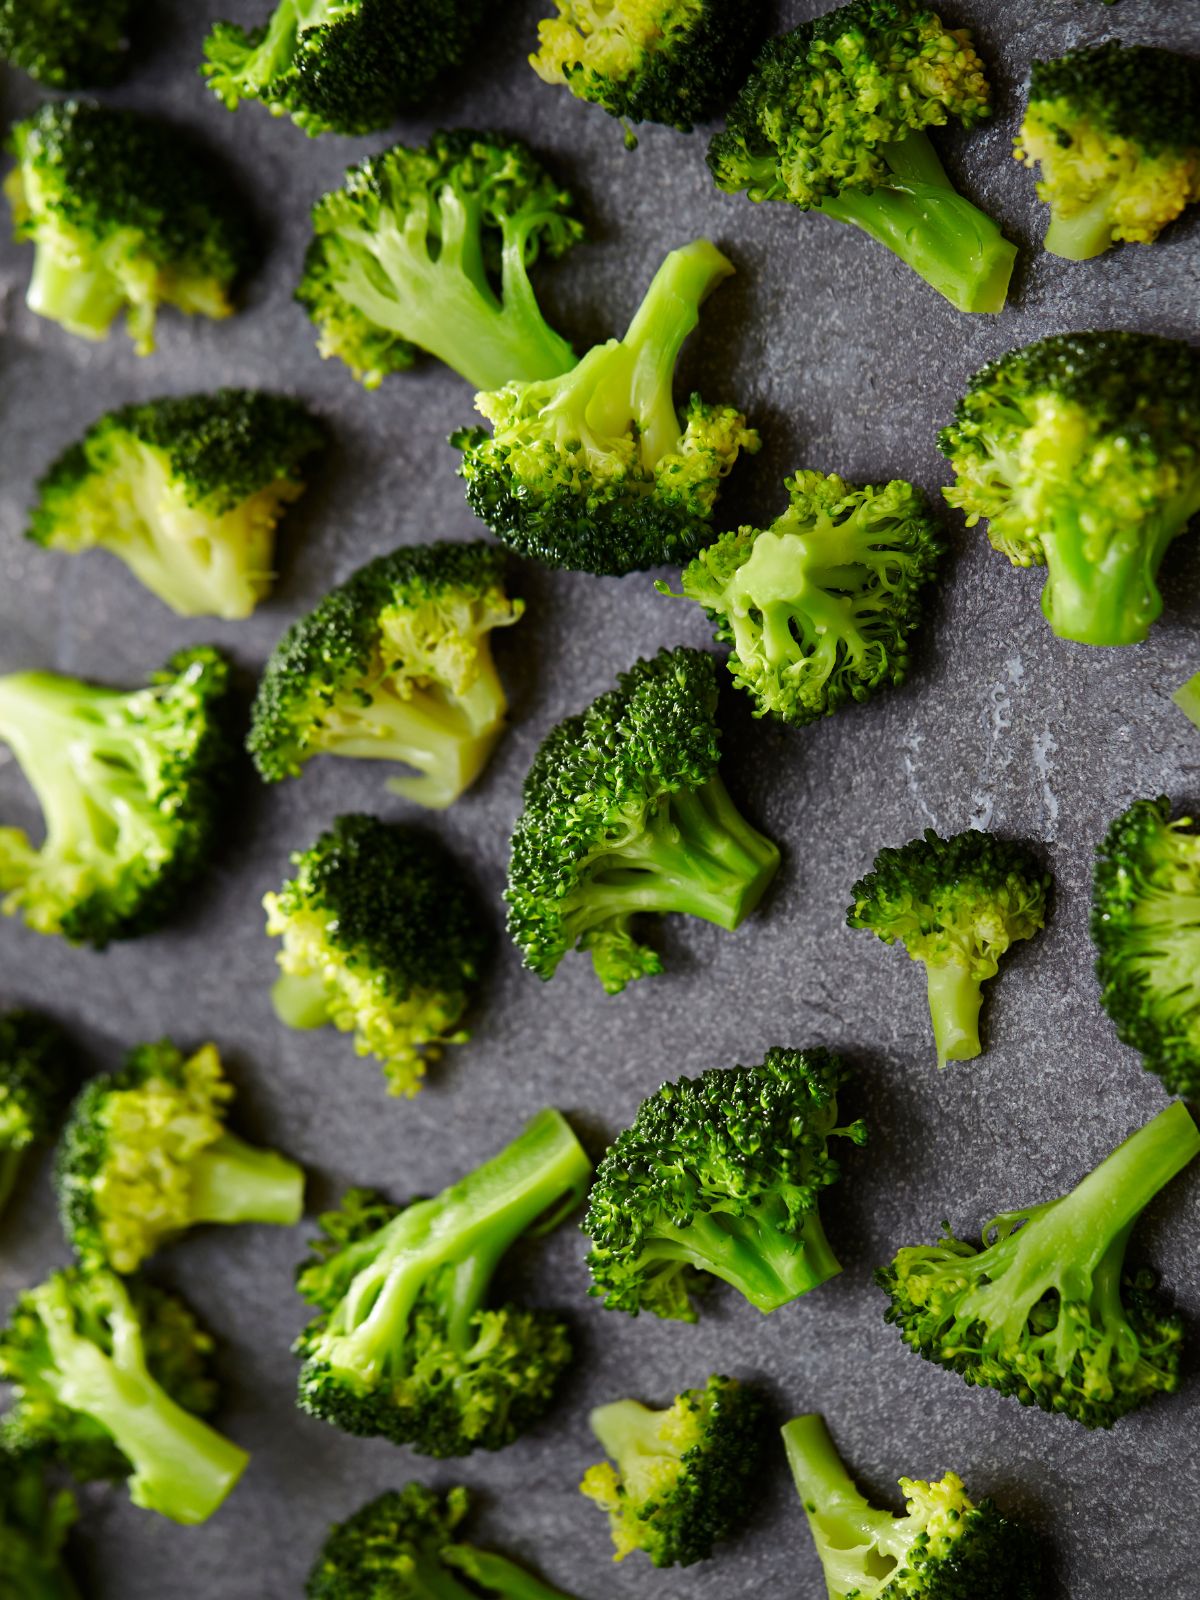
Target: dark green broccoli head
{"type": "Point", "coordinates": [66, 44]}
{"type": "Point", "coordinates": [34, 1523]}
{"type": "Point", "coordinates": [35, 1078]}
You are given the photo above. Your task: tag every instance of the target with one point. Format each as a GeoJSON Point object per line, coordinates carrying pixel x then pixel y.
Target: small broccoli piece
{"type": "Point", "coordinates": [1083, 452]}
{"type": "Point", "coordinates": [1187, 698]}
{"type": "Point", "coordinates": [130, 783]}
{"type": "Point", "coordinates": [393, 665]}
{"type": "Point", "coordinates": [721, 1174]}
{"type": "Point", "coordinates": [66, 44]}
{"type": "Point", "coordinates": [34, 1523]}
{"type": "Point", "coordinates": [430, 249]}
{"type": "Point", "coordinates": [406, 1345]}
{"type": "Point", "coordinates": [596, 471]}
{"type": "Point", "coordinates": [125, 214]}
{"type": "Point", "coordinates": [35, 1080]}
{"type": "Point", "coordinates": [956, 905]}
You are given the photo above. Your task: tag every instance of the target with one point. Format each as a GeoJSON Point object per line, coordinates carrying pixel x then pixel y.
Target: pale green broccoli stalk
{"type": "Point", "coordinates": [1187, 698]}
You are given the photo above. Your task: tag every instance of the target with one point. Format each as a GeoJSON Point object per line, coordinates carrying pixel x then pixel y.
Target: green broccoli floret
{"type": "Point", "coordinates": [820, 606]}
{"type": "Point", "coordinates": [66, 44]}
{"type": "Point", "coordinates": [596, 471]}
{"type": "Point", "coordinates": [430, 249]}
{"type": "Point", "coordinates": [1116, 129]}
{"type": "Point", "coordinates": [125, 214]}
{"type": "Point", "coordinates": [1044, 1311]}
{"type": "Point", "coordinates": [111, 1378]}
{"type": "Point", "coordinates": [382, 937]}
{"type": "Point", "coordinates": [944, 1547]}
{"type": "Point", "coordinates": [833, 119]}
{"type": "Point", "coordinates": [721, 1174]}
{"type": "Point", "coordinates": [394, 665]}
{"type": "Point", "coordinates": [186, 491]}
{"type": "Point", "coordinates": [34, 1523]}
{"type": "Point", "coordinates": [1187, 698]}
{"type": "Point", "coordinates": [1146, 929]}
{"type": "Point", "coordinates": [956, 905]}
{"type": "Point", "coordinates": [130, 783]}
{"type": "Point", "coordinates": [406, 1345]}
{"type": "Point", "coordinates": [35, 1082]}
{"type": "Point", "coordinates": [684, 1477]}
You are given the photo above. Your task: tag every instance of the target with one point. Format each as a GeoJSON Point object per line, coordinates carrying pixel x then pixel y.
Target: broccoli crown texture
{"type": "Point", "coordinates": [819, 607]}
{"type": "Point", "coordinates": [721, 1174]}
{"type": "Point", "coordinates": [1044, 1311]}
{"type": "Point", "coordinates": [682, 1479]}
{"type": "Point", "coordinates": [125, 214]}
{"type": "Point", "coordinates": [187, 491]}
{"type": "Point", "coordinates": [596, 470]}
{"type": "Point", "coordinates": [130, 784]}
{"type": "Point", "coordinates": [430, 249]}
{"type": "Point", "coordinates": [34, 1523]}
{"type": "Point", "coordinates": [406, 1345]}
{"type": "Point", "coordinates": [35, 1078]}
{"type": "Point", "coordinates": [1083, 452]}
{"type": "Point", "coordinates": [66, 44]}
{"type": "Point", "coordinates": [625, 814]}
{"type": "Point", "coordinates": [395, 664]}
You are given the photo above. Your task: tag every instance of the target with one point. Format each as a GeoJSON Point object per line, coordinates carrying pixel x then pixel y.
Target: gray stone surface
{"type": "Point", "coordinates": [848, 363]}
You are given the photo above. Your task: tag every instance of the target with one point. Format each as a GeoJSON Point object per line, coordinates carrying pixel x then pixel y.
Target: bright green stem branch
{"type": "Point", "coordinates": [1187, 698]}
{"type": "Point", "coordinates": [768, 1267]}
{"type": "Point", "coordinates": [83, 300]}
{"type": "Point", "coordinates": [300, 1002]}
{"type": "Point", "coordinates": [498, 1576]}
{"type": "Point", "coordinates": [236, 1182]}
{"type": "Point", "coordinates": [1083, 235]}
{"type": "Point", "coordinates": [846, 1528]}
{"type": "Point", "coordinates": [955, 999]}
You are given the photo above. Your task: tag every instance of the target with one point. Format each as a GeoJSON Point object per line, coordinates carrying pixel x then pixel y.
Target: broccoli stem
{"type": "Point", "coordinates": [11, 1162]}
{"type": "Point", "coordinates": [755, 1253]}
{"type": "Point", "coordinates": [1187, 698]}
{"type": "Point", "coordinates": [851, 1534]}
{"type": "Point", "coordinates": [56, 727]}
{"type": "Point", "coordinates": [1083, 235]}
{"type": "Point", "coordinates": [955, 1000]}
{"type": "Point", "coordinates": [84, 299]}
{"type": "Point", "coordinates": [232, 1181]}
{"type": "Point", "coordinates": [497, 1575]}
{"type": "Point", "coordinates": [301, 1002]}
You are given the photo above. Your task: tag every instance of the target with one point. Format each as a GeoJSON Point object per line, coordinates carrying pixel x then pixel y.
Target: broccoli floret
{"type": "Point", "coordinates": [125, 214]}
{"type": "Point", "coordinates": [394, 665]}
{"type": "Point", "coordinates": [406, 1345]}
{"type": "Point", "coordinates": [596, 471]}
{"type": "Point", "coordinates": [1116, 130]}
{"type": "Point", "coordinates": [944, 1547]}
{"type": "Point", "coordinates": [956, 905]}
{"type": "Point", "coordinates": [430, 249]}
{"type": "Point", "coordinates": [721, 1174]}
{"type": "Point", "coordinates": [833, 119]}
{"type": "Point", "coordinates": [1044, 1311]}
{"type": "Point", "coordinates": [819, 607]}
{"type": "Point", "coordinates": [684, 1477]}
{"type": "Point", "coordinates": [34, 1523]}
{"type": "Point", "coordinates": [130, 784]}
{"type": "Point", "coordinates": [626, 815]}
{"type": "Point", "coordinates": [66, 44]}
{"type": "Point", "coordinates": [1187, 698]}
{"type": "Point", "coordinates": [1083, 452]}
{"type": "Point", "coordinates": [111, 1378]}
{"type": "Point", "coordinates": [35, 1081]}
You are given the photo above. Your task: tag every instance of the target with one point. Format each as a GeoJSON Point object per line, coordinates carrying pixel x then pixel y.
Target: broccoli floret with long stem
{"type": "Point", "coordinates": [1187, 698]}
{"type": "Point", "coordinates": [35, 1080]}
{"type": "Point", "coordinates": [66, 44]}
{"type": "Point", "coordinates": [407, 1345]}
{"type": "Point", "coordinates": [34, 1523]}
{"type": "Point", "coordinates": [596, 470]}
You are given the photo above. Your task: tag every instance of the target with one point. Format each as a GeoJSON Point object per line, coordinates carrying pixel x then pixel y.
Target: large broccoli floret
{"type": "Point", "coordinates": [430, 249]}
{"type": "Point", "coordinates": [684, 1477]}
{"type": "Point", "coordinates": [394, 665]}
{"type": "Point", "coordinates": [1187, 698]}
{"type": "Point", "coordinates": [820, 606]}
{"type": "Point", "coordinates": [1083, 452]}
{"type": "Point", "coordinates": [34, 1523]}
{"type": "Point", "coordinates": [66, 44]}
{"type": "Point", "coordinates": [1045, 1311]}
{"type": "Point", "coordinates": [596, 470]}
{"type": "Point", "coordinates": [406, 1345]}
{"type": "Point", "coordinates": [125, 214]}
{"type": "Point", "coordinates": [35, 1082]}
{"type": "Point", "coordinates": [129, 783]}
{"type": "Point", "coordinates": [721, 1174]}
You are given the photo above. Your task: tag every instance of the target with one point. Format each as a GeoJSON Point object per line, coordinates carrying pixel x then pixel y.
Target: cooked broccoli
{"type": "Point", "coordinates": [394, 665]}
{"type": "Point", "coordinates": [721, 1174]}
{"type": "Point", "coordinates": [406, 1346]}
{"type": "Point", "coordinates": [1083, 452]}
{"type": "Point", "coordinates": [596, 470]}
{"type": "Point", "coordinates": [124, 214]}
{"type": "Point", "coordinates": [430, 249]}
{"type": "Point", "coordinates": [684, 1477]}
{"type": "Point", "coordinates": [626, 815]}
{"type": "Point", "coordinates": [1116, 130]}
{"type": "Point", "coordinates": [66, 44]}
{"type": "Point", "coordinates": [819, 607]}
{"type": "Point", "coordinates": [35, 1079]}
{"type": "Point", "coordinates": [129, 783]}
{"type": "Point", "coordinates": [1187, 698]}
{"type": "Point", "coordinates": [944, 1547]}
{"type": "Point", "coordinates": [34, 1523]}
{"type": "Point", "coordinates": [956, 905]}
{"type": "Point", "coordinates": [111, 1378]}
{"type": "Point", "coordinates": [382, 937]}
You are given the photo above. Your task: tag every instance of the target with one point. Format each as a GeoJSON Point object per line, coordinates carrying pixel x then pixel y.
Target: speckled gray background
{"type": "Point", "coordinates": [849, 363]}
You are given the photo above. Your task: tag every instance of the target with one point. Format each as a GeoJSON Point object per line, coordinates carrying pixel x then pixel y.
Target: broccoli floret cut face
{"type": "Point", "coordinates": [680, 1480]}
{"type": "Point", "coordinates": [125, 215]}
{"type": "Point", "coordinates": [407, 1345]}
{"type": "Point", "coordinates": [721, 1175]}
{"type": "Point", "coordinates": [187, 492]}
{"type": "Point", "coordinates": [394, 665]}
{"type": "Point", "coordinates": [35, 1082]}
{"type": "Point", "coordinates": [957, 906]}
{"type": "Point", "coordinates": [819, 607]}
{"type": "Point", "coordinates": [130, 784]}
{"type": "Point", "coordinates": [1187, 698]}
{"type": "Point", "coordinates": [597, 471]}
{"type": "Point", "coordinates": [34, 1524]}
{"type": "Point", "coordinates": [66, 44]}
{"type": "Point", "coordinates": [1083, 452]}
{"type": "Point", "coordinates": [430, 249]}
